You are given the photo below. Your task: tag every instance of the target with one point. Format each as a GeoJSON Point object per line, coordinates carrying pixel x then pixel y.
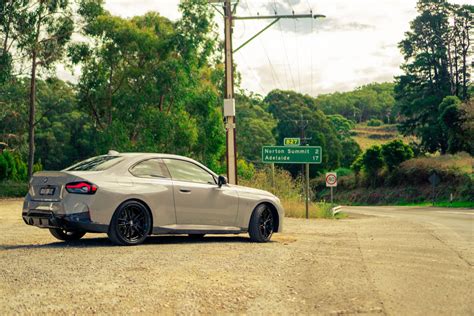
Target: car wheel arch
{"type": "Point", "coordinates": [144, 204]}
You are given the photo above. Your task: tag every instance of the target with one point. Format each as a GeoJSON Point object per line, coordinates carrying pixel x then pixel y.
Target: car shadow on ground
{"type": "Point", "coordinates": [152, 240]}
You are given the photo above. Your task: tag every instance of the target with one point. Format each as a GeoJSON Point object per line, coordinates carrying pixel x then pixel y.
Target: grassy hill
{"type": "Point", "coordinates": [367, 136]}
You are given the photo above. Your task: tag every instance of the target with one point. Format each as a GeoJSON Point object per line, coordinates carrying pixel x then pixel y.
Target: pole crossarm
{"type": "Point", "coordinates": [276, 19]}
{"type": "Point", "coordinates": [284, 16]}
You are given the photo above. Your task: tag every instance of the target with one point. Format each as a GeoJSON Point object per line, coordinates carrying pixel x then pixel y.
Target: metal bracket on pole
{"type": "Point", "coordinates": [276, 17]}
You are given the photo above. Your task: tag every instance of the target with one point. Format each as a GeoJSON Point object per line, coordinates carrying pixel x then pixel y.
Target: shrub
{"type": "Point", "coordinates": [374, 122]}
{"type": "Point", "coordinates": [12, 167]}
{"type": "Point", "coordinates": [245, 170]}
{"type": "Point", "coordinates": [341, 172]}
{"type": "Point", "coordinates": [453, 169]}
{"type": "Point", "coordinates": [357, 165]}
{"type": "Point", "coordinates": [3, 168]}
{"type": "Point", "coordinates": [350, 151]}
{"type": "Point", "coordinates": [373, 162]}
{"type": "Point", "coordinates": [396, 152]}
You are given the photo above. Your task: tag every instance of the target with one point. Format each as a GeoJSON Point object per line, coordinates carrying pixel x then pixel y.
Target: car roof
{"type": "Point", "coordinates": [146, 155]}
{"type": "Point", "coordinates": [135, 157]}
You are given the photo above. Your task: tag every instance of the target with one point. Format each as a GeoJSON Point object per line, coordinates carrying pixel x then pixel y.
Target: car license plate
{"type": "Point", "coordinates": [47, 191]}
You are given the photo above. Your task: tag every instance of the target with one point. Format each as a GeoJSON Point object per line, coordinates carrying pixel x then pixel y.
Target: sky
{"type": "Point", "coordinates": [354, 45]}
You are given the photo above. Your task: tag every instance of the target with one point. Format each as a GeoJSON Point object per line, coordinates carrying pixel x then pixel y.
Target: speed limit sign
{"type": "Point", "coordinates": [331, 179]}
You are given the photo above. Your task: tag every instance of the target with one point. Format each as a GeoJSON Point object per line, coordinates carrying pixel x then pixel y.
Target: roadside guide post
{"type": "Point", "coordinates": [331, 181]}
{"type": "Point", "coordinates": [293, 153]}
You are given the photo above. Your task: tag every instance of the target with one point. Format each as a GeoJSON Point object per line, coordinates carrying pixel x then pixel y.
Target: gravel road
{"type": "Point", "coordinates": [364, 264]}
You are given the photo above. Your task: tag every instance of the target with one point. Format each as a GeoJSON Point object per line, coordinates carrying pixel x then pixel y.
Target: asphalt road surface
{"type": "Point", "coordinates": [378, 261]}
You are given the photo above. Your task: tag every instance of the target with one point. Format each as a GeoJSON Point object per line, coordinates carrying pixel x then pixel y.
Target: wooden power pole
{"type": "Point", "coordinates": [229, 8]}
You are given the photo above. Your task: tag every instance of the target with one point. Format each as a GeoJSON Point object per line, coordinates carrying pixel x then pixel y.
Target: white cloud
{"type": "Point", "coordinates": [355, 45]}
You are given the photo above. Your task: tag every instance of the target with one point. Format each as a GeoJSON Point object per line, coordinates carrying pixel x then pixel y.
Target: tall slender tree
{"type": "Point", "coordinates": [42, 29]}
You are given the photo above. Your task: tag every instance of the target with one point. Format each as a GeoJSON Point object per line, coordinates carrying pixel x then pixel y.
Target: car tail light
{"type": "Point", "coordinates": [81, 187]}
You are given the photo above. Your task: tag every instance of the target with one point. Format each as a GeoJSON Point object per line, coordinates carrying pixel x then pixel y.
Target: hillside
{"type": "Point", "coordinates": [367, 136]}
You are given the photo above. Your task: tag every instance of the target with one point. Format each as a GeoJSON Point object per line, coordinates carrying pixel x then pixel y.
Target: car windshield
{"type": "Point", "coordinates": [98, 163]}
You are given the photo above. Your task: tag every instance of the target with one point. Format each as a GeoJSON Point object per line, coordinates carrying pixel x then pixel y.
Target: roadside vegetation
{"type": "Point", "coordinates": [291, 193]}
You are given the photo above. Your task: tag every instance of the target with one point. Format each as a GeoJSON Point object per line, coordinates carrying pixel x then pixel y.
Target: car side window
{"type": "Point", "coordinates": [187, 171]}
{"type": "Point", "coordinates": [150, 168]}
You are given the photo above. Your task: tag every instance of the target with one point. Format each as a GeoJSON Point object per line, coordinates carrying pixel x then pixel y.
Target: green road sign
{"type": "Point", "coordinates": [291, 141]}
{"type": "Point", "coordinates": [287, 154]}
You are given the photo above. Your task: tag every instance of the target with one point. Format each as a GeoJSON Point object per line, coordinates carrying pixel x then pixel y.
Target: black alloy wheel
{"type": "Point", "coordinates": [130, 224]}
{"type": "Point", "coordinates": [261, 224]}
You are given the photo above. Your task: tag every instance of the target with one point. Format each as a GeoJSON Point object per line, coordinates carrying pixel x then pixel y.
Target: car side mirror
{"type": "Point", "coordinates": [221, 180]}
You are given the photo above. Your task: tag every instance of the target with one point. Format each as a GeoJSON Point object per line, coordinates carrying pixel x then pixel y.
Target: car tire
{"type": "Point", "coordinates": [130, 224]}
{"type": "Point", "coordinates": [261, 224]}
{"type": "Point", "coordinates": [66, 235]}
{"type": "Point", "coordinates": [196, 236]}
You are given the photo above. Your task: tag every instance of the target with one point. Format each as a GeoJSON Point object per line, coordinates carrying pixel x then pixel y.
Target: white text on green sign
{"type": "Point", "coordinates": [286, 154]}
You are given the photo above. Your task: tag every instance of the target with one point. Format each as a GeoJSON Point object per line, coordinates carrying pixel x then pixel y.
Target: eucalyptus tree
{"type": "Point", "coordinates": [436, 65]}
{"type": "Point", "coordinates": [37, 31]}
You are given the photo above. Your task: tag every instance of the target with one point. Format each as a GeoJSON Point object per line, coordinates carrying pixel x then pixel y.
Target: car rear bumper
{"type": "Point", "coordinates": [76, 221]}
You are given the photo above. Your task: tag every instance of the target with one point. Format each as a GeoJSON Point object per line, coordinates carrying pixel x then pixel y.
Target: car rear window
{"type": "Point", "coordinates": [98, 163]}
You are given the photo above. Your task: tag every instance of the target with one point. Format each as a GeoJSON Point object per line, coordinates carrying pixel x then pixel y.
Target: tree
{"type": "Point", "coordinates": [350, 148]}
{"type": "Point", "coordinates": [373, 162]}
{"type": "Point", "coordinates": [42, 29]}
{"type": "Point", "coordinates": [435, 67]}
{"type": "Point", "coordinates": [451, 121]}
{"type": "Point", "coordinates": [149, 84]}
{"type": "Point", "coordinates": [292, 110]}
{"type": "Point", "coordinates": [396, 152]}
{"type": "Point", "coordinates": [255, 127]}
{"type": "Point", "coordinates": [375, 100]}
{"type": "Point", "coordinates": [467, 125]}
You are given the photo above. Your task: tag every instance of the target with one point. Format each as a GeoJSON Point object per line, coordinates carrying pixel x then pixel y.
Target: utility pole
{"type": "Point", "coordinates": [229, 101]}
{"type": "Point", "coordinates": [229, 9]}
{"type": "Point", "coordinates": [305, 169]}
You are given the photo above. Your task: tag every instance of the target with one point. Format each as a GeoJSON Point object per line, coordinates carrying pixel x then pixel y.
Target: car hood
{"type": "Point", "coordinates": [240, 188]}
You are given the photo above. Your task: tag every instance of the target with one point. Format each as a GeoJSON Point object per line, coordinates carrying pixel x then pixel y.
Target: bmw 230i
{"type": "Point", "coordinates": [130, 196]}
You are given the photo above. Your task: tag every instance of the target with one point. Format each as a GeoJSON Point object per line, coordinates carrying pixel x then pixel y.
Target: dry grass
{"type": "Point", "coordinates": [459, 163]}
{"type": "Point", "coordinates": [290, 192]}
{"type": "Point", "coordinates": [297, 209]}
{"type": "Point", "coordinates": [368, 136]}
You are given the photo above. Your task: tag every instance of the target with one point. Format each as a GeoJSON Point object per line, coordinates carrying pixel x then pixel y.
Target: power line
{"type": "Point", "coordinates": [286, 55]}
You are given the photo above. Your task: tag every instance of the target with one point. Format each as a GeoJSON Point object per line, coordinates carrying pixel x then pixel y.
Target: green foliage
{"type": "Point", "coordinates": [342, 172]}
{"type": "Point", "coordinates": [3, 168]}
{"type": "Point", "coordinates": [374, 122]}
{"type": "Point", "coordinates": [451, 121]}
{"type": "Point", "coordinates": [371, 101]}
{"type": "Point", "coordinates": [350, 151]}
{"type": "Point", "coordinates": [12, 167]}
{"type": "Point", "coordinates": [373, 162]}
{"type": "Point", "coordinates": [245, 171]}
{"type": "Point", "coordinates": [357, 165]}
{"type": "Point", "coordinates": [255, 127]}
{"type": "Point", "coordinates": [435, 51]}
{"type": "Point", "coordinates": [342, 125]}
{"type": "Point", "coordinates": [9, 189]}
{"type": "Point", "coordinates": [396, 152]}
{"type": "Point", "coordinates": [292, 110]}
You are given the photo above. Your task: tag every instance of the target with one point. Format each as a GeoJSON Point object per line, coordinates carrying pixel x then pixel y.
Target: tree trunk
{"type": "Point", "coordinates": [31, 122]}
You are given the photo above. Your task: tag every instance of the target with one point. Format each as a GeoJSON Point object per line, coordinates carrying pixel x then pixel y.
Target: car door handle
{"type": "Point", "coordinates": [185, 190]}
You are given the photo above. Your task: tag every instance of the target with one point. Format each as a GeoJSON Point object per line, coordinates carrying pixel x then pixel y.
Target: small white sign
{"type": "Point", "coordinates": [331, 179]}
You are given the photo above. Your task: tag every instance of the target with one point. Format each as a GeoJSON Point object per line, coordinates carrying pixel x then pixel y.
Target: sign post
{"type": "Point", "coordinates": [293, 153]}
{"type": "Point", "coordinates": [331, 181]}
